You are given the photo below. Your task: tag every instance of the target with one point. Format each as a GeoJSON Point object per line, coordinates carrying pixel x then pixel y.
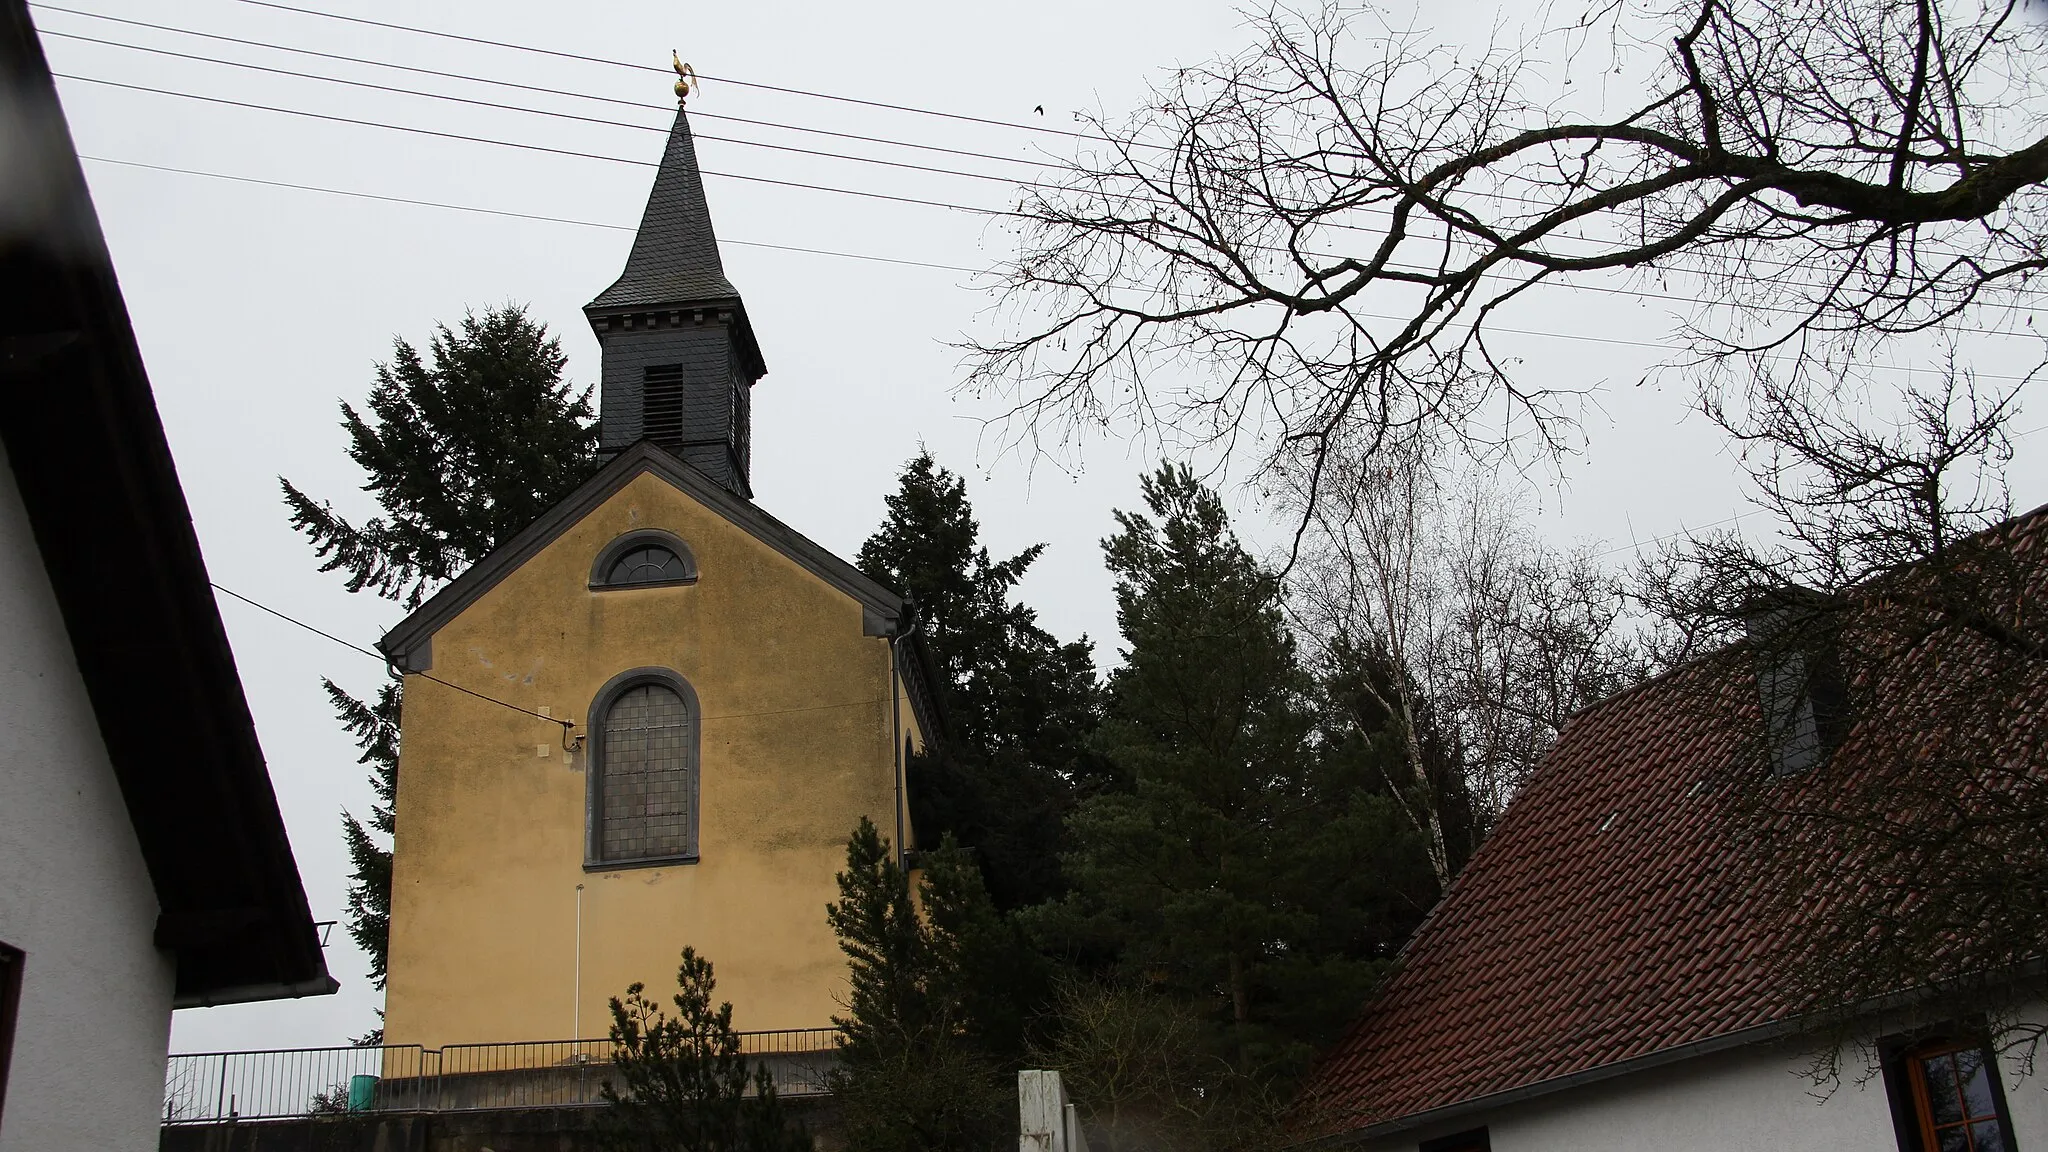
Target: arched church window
{"type": "Point", "coordinates": [644, 771]}
{"type": "Point", "coordinates": [644, 558]}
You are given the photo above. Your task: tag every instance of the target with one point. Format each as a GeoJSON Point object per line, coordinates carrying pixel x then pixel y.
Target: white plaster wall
{"type": "Point", "coordinates": [1758, 1098]}
{"type": "Point", "coordinates": [88, 1065]}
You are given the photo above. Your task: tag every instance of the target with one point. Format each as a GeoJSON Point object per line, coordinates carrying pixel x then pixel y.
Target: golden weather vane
{"type": "Point", "coordinates": [686, 77]}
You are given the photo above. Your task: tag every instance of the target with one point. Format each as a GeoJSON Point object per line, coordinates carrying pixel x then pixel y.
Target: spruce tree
{"type": "Point", "coordinates": [682, 1084]}
{"type": "Point", "coordinates": [1021, 705]}
{"type": "Point", "coordinates": [1243, 869]}
{"type": "Point", "coordinates": [461, 448]}
{"type": "Point", "coordinates": [929, 1037]}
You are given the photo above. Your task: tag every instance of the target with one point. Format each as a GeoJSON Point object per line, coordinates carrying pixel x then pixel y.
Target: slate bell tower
{"type": "Point", "coordinates": [680, 358]}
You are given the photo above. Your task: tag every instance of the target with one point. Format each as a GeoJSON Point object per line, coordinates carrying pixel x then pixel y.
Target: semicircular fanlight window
{"type": "Point", "coordinates": [648, 564]}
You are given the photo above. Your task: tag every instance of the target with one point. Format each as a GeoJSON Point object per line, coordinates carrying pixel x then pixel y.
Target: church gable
{"type": "Point", "coordinates": [409, 645]}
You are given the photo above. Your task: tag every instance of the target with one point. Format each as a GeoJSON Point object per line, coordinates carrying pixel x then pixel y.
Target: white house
{"type": "Point", "coordinates": [1604, 977]}
{"type": "Point", "coordinates": [143, 863]}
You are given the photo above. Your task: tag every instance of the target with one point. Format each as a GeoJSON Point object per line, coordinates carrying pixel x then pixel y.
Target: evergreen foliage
{"type": "Point", "coordinates": [1021, 704]}
{"type": "Point", "coordinates": [1362, 725]}
{"type": "Point", "coordinates": [375, 728]}
{"type": "Point", "coordinates": [462, 448]}
{"type": "Point", "coordinates": [1255, 866]}
{"type": "Point", "coordinates": [921, 1057]}
{"type": "Point", "coordinates": [683, 1085]}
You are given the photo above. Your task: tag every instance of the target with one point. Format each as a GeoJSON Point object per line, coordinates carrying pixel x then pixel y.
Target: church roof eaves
{"type": "Point", "coordinates": [407, 646]}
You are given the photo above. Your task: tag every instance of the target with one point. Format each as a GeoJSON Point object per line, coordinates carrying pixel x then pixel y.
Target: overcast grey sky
{"type": "Point", "coordinates": [257, 307]}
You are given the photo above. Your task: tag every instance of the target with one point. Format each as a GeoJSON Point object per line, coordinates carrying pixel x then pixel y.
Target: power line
{"type": "Point", "coordinates": [473, 79]}
{"type": "Point", "coordinates": [514, 215]}
{"type": "Point", "coordinates": [1015, 182]}
{"type": "Point", "coordinates": [567, 725]}
{"type": "Point", "coordinates": [570, 152]}
{"type": "Point", "coordinates": [1538, 333]}
{"type": "Point", "coordinates": [1785, 265]}
{"type": "Point", "coordinates": [653, 68]}
{"type": "Point", "coordinates": [381, 658]}
{"type": "Point", "coordinates": [1004, 180]}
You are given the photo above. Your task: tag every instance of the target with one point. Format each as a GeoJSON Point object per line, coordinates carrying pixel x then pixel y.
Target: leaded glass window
{"type": "Point", "coordinates": [647, 787]}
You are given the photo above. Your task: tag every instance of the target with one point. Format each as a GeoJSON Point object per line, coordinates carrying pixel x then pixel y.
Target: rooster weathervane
{"type": "Point", "coordinates": [686, 77]}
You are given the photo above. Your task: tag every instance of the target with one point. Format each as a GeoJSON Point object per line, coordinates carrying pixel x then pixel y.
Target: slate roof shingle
{"type": "Point", "coordinates": [675, 253]}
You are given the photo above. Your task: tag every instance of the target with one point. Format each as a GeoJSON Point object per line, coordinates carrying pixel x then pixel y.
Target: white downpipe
{"type": "Point", "coordinates": [576, 998]}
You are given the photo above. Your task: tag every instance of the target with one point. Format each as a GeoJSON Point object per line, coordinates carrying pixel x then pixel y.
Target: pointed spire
{"type": "Point", "coordinates": [680, 357]}
{"type": "Point", "coordinates": [675, 255]}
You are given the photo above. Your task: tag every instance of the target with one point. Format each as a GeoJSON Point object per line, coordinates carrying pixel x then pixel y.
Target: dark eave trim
{"type": "Point", "coordinates": [406, 644]}
{"type": "Point", "coordinates": [600, 314]}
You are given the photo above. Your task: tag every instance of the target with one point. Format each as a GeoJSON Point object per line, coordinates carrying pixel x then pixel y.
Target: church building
{"type": "Point", "coordinates": [653, 717]}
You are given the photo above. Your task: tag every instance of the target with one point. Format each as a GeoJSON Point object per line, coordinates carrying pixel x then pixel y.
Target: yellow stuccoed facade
{"type": "Point", "coordinates": [491, 938]}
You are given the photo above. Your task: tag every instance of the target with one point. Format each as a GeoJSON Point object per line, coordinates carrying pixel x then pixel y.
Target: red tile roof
{"type": "Point", "coordinates": [1612, 915]}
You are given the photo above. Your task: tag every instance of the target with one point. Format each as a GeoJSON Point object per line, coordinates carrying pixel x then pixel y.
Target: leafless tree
{"type": "Point", "coordinates": [1495, 638]}
{"type": "Point", "coordinates": [1305, 252]}
{"type": "Point", "coordinates": [1892, 782]}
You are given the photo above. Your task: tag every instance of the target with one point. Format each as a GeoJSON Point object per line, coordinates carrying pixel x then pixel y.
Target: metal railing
{"type": "Point", "coordinates": [210, 1087]}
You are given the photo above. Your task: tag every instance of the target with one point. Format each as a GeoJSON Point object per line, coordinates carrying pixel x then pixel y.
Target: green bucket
{"type": "Point", "coordinates": [362, 1093]}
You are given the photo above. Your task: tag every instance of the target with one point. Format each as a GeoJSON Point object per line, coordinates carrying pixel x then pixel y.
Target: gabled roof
{"type": "Point", "coordinates": [408, 645]}
{"type": "Point", "coordinates": [89, 456]}
{"type": "Point", "coordinates": [1612, 922]}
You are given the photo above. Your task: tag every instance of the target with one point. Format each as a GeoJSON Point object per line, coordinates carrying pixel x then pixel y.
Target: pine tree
{"type": "Point", "coordinates": [461, 448]}
{"type": "Point", "coordinates": [921, 1065]}
{"type": "Point", "coordinates": [682, 1083]}
{"type": "Point", "coordinates": [1020, 703]}
{"type": "Point", "coordinates": [1244, 868]}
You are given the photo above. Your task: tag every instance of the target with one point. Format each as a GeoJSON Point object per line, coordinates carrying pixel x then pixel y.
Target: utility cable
{"type": "Point", "coordinates": [1538, 333]}
{"type": "Point", "coordinates": [567, 725]}
{"type": "Point", "coordinates": [769, 124]}
{"type": "Point", "coordinates": [535, 216]}
{"type": "Point", "coordinates": [385, 660]}
{"type": "Point", "coordinates": [571, 152]}
{"type": "Point", "coordinates": [1602, 289]}
{"type": "Point", "coordinates": [569, 93]}
{"type": "Point", "coordinates": [1787, 265]}
{"type": "Point", "coordinates": [1008, 181]}
{"type": "Point", "coordinates": [1004, 180]}
{"type": "Point", "coordinates": [1046, 128]}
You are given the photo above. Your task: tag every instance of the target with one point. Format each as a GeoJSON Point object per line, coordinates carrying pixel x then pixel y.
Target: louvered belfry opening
{"type": "Point", "coordinates": [680, 357]}
{"type": "Point", "coordinates": [662, 405]}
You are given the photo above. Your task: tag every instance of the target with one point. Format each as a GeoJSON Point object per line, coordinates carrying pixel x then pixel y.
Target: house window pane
{"type": "Point", "coordinates": [1976, 1082]}
{"type": "Point", "coordinates": [1990, 1136]}
{"type": "Point", "coordinates": [648, 790]}
{"type": "Point", "coordinates": [1941, 1090]}
{"type": "Point", "coordinates": [1956, 1101]}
